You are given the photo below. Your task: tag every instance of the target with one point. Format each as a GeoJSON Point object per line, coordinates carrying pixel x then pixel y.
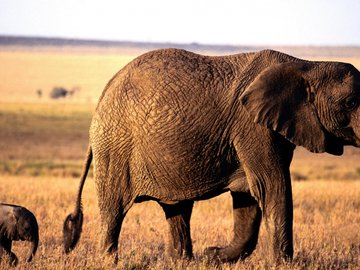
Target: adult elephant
{"type": "Point", "coordinates": [17, 223]}
{"type": "Point", "coordinates": [175, 127]}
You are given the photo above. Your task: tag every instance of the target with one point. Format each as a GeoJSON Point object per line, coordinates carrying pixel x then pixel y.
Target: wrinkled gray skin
{"type": "Point", "coordinates": [175, 127]}
{"type": "Point", "coordinates": [17, 223]}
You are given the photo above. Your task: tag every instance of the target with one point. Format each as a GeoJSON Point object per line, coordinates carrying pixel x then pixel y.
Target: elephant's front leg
{"type": "Point", "coordinates": [5, 250]}
{"type": "Point", "coordinates": [267, 171]}
{"type": "Point", "coordinates": [271, 186]}
{"type": "Point", "coordinates": [278, 217]}
{"type": "Point", "coordinates": [272, 190]}
{"type": "Point", "coordinates": [247, 218]}
{"type": "Point", "coordinates": [178, 217]}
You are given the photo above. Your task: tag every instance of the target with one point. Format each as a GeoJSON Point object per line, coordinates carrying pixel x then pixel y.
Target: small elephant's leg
{"type": "Point", "coordinates": [247, 219]}
{"type": "Point", "coordinates": [5, 249]}
{"type": "Point", "coordinates": [13, 259]}
{"type": "Point", "coordinates": [178, 217]}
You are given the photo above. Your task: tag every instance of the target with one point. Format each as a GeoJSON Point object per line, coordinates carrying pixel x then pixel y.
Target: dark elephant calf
{"type": "Point", "coordinates": [17, 223]}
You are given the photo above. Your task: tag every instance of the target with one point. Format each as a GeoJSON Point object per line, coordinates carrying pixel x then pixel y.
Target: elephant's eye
{"type": "Point", "coordinates": [351, 103]}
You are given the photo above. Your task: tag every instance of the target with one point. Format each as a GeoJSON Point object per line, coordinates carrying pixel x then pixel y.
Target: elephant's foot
{"type": "Point", "coordinates": [179, 248]}
{"type": "Point", "coordinates": [111, 257]}
{"type": "Point", "coordinates": [10, 258]}
{"type": "Point", "coordinates": [225, 254]}
{"type": "Point", "coordinates": [175, 254]}
{"type": "Point", "coordinates": [279, 256]}
{"type": "Point", "coordinates": [110, 250]}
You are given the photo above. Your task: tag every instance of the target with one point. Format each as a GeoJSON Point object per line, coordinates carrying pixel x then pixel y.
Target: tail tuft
{"type": "Point", "coordinates": [72, 231]}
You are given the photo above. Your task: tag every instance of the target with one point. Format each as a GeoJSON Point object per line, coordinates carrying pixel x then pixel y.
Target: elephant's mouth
{"type": "Point", "coordinates": [344, 136]}
{"type": "Point", "coordinates": [357, 143]}
{"type": "Point", "coordinates": [334, 145]}
{"type": "Point", "coordinates": [349, 137]}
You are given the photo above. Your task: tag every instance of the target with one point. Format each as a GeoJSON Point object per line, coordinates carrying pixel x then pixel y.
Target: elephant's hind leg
{"type": "Point", "coordinates": [247, 219]}
{"type": "Point", "coordinates": [178, 217]}
{"type": "Point", "coordinates": [111, 230]}
{"type": "Point", "coordinates": [114, 202]}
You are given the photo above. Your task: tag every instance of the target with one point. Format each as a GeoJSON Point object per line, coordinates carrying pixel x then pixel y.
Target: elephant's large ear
{"type": "Point", "coordinates": [279, 98]}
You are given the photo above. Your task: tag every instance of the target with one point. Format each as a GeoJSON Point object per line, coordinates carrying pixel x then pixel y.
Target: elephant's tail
{"type": "Point", "coordinates": [73, 222]}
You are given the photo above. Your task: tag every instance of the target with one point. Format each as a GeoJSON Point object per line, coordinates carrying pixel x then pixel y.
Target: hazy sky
{"type": "Point", "coordinates": [249, 22]}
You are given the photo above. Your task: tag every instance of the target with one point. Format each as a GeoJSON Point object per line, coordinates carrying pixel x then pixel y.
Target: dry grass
{"type": "Point", "coordinates": [326, 228]}
{"type": "Point", "coordinates": [50, 131]}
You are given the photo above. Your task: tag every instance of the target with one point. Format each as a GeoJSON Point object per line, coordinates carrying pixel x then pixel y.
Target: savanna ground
{"type": "Point", "coordinates": [42, 145]}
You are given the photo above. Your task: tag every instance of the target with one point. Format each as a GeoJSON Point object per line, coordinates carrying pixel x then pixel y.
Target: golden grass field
{"type": "Point", "coordinates": [43, 142]}
{"type": "Point", "coordinates": [326, 227]}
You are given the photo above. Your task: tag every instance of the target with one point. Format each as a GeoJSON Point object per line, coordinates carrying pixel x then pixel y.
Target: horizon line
{"type": "Point", "coordinates": [194, 44]}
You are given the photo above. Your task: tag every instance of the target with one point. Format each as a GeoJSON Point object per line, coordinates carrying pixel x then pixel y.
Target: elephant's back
{"type": "Point", "coordinates": [168, 89]}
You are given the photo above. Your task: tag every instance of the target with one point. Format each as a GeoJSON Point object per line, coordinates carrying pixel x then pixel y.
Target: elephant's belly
{"type": "Point", "coordinates": [184, 165]}
{"type": "Point", "coordinates": [172, 186]}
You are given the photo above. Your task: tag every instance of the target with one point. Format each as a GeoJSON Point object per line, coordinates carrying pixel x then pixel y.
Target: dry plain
{"type": "Point", "coordinates": [42, 144]}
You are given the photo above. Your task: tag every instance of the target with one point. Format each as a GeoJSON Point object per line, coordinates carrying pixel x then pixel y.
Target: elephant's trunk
{"type": "Point", "coordinates": [34, 246]}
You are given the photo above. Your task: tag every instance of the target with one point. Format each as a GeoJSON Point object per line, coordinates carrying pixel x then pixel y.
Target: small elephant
{"type": "Point", "coordinates": [176, 127]}
{"type": "Point", "coordinates": [17, 223]}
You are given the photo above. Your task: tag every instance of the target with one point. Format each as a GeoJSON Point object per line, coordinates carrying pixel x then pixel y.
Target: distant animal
{"type": "Point", "coordinates": [61, 92]}
{"type": "Point", "coordinates": [17, 223]}
{"type": "Point", "coordinates": [39, 93]}
{"type": "Point", "coordinates": [175, 127]}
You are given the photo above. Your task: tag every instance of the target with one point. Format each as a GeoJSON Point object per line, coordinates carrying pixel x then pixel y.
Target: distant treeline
{"type": "Point", "coordinates": [44, 41]}
{"type": "Point", "coordinates": [300, 51]}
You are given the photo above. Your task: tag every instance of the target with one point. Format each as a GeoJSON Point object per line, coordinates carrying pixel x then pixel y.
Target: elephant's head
{"type": "Point", "coordinates": [312, 104]}
{"type": "Point", "coordinates": [28, 230]}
